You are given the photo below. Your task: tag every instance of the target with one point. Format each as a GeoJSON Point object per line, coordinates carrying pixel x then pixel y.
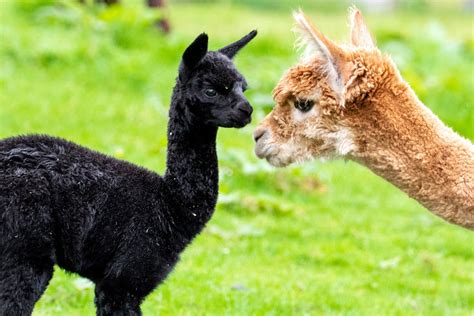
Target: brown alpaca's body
{"type": "Point", "coordinates": [364, 111]}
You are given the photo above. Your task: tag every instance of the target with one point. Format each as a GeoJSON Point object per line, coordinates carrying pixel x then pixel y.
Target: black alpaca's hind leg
{"type": "Point", "coordinates": [111, 299]}
{"type": "Point", "coordinates": [22, 284]}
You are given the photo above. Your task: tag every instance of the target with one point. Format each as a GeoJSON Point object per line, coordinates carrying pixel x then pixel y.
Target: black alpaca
{"type": "Point", "coordinates": [119, 225]}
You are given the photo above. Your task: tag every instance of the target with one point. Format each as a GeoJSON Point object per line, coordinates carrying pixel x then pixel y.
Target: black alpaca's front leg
{"type": "Point", "coordinates": [111, 299]}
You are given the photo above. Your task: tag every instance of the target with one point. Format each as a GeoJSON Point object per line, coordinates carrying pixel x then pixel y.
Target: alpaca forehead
{"type": "Point", "coordinates": [217, 82]}
{"type": "Point", "coordinates": [300, 81]}
{"type": "Point", "coordinates": [218, 62]}
{"type": "Point", "coordinates": [221, 71]}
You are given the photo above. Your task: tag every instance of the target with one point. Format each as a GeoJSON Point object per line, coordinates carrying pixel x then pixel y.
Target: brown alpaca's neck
{"type": "Point", "coordinates": [405, 143]}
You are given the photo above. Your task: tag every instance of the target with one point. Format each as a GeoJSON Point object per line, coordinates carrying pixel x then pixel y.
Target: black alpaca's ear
{"type": "Point", "coordinates": [232, 49]}
{"type": "Point", "coordinates": [196, 51]}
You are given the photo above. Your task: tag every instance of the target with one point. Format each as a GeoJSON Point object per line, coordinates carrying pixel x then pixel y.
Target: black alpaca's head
{"type": "Point", "coordinates": [212, 86]}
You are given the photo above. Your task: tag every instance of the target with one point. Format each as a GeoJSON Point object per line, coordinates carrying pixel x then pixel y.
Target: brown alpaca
{"type": "Point", "coordinates": [350, 101]}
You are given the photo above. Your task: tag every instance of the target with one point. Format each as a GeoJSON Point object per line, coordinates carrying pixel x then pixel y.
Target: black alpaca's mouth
{"type": "Point", "coordinates": [234, 121]}
{"type": "Point", "coordinates": [241, 122]}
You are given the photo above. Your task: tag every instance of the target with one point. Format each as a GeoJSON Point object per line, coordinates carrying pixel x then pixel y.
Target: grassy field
{"type": "Point", "coordinates": [317, 239]}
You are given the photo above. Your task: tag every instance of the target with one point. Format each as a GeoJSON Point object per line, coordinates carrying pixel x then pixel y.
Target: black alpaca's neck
{"type": "Point", "coordinates": [192, 171]}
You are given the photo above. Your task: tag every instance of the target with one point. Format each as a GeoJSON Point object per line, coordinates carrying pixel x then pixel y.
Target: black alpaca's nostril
{"type": "Point", "coordinates": [246, 109]}
{"type": "Point", "coordinates": [258, 134]}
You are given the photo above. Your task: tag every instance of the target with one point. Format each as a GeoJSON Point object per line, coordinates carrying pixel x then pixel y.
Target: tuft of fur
{"type": "Point", "coordinates": [117, 224]}
{"type": "Point", "coordinates": [382, 125]}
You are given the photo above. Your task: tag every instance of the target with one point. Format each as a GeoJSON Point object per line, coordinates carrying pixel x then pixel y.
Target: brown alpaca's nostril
{"type": "Point", "coordinates": [259, 132]}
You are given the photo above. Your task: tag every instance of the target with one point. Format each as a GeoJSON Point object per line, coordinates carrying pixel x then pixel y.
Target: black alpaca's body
{"type": "Point", "coordinates": [88, 211]}
{"type": "Point", "coordinates": [119, 225]}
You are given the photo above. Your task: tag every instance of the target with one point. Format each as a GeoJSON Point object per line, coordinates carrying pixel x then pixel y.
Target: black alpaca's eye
{"type": "Point", "coordinates": [304, 105]}
{"type": "Point", "coordinates": [210, 93]}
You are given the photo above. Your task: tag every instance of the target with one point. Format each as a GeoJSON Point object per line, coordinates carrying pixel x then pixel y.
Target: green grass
{"type": "Point", "coordinates": [318, 239]}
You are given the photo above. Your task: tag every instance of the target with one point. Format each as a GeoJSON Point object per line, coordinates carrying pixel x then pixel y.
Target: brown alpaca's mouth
{"type": "Point", "coordinates": [277, 161]}
{"type": "Point", "coordinates": [262, 151]}
{"type": "Point", "coordinates": [270, 154]}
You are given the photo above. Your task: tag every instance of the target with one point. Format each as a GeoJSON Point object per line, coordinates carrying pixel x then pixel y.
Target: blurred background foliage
{"type": "Point", "coordinates": [319, 238]}
{"type": "Point", "coordinates": [325, 5]}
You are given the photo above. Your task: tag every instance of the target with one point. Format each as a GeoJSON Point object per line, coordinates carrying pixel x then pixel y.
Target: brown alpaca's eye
{"type": "Point", "coordinates": [304, 105]}
{"type": "Point", "coordinates": [210, 93]}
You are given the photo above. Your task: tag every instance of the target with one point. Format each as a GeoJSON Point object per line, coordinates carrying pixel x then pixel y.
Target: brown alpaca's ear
{"type": "Point", "coordinates": [327, 51]}
{"type": "Point", "coordinates": [360, 35]}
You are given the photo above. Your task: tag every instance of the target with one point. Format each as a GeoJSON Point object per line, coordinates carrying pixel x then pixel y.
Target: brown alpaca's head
{"type": "Point", "coordinates": [318, 100]}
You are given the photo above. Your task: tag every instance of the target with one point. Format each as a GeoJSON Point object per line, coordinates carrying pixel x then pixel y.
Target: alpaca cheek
{"type": "Point", "coordinates": [295, 151]}
{"type": "Point", "coordinates": [344, 142]}
{"type": "Point", "coordinates": [332, 144]}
